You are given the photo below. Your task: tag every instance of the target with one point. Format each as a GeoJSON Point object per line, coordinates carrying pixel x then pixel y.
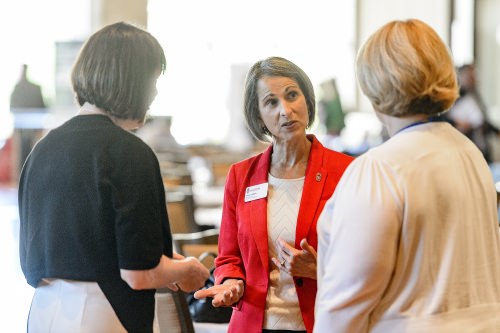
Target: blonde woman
{"type": "Point", "coordinates": [409, 242]}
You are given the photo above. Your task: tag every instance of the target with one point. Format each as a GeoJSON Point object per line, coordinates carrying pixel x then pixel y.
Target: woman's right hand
{"type": "Point", "coordinates": [194, 276]}
{"type": "Point", "coordinates": [188, 274]}
{"type": "Point", "coordinates": [225, 294]}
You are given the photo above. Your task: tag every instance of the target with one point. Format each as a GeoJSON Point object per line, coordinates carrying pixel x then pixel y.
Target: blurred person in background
{"type": "Point", "coordinates": [331, 114]}
{"type": "Point", "coordinates": [470, 115]}
{"type": "Point", "coordinates": [26, 94]}
{"type": "Point", "coordinates": [26, 98]}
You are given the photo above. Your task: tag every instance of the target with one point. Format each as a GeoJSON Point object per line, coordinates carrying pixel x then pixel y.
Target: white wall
{"type": "Point", "coordinates": [204, 46]}
{"type": "Point", "coordinates": [110, 11]}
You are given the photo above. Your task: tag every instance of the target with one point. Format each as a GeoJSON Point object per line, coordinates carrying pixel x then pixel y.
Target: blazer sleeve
{"type": "Point", "coordinates": [229, 263]}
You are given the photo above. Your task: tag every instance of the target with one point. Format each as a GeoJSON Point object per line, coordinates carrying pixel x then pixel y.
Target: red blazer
{"type": "Point", "coordinates": [243, 248]}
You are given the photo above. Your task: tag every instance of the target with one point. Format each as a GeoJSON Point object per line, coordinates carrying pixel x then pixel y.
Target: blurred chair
{"type": "Point", "coordinates": [196, 243]}
{"type": "Point", "coordinates": [172, 312]}
{"type": "Point", "coordinates": [201, 245]}
{"type": "Point", "coordinates": [180, 209]}
{"type": "Point", "coordinates": [175, 175]}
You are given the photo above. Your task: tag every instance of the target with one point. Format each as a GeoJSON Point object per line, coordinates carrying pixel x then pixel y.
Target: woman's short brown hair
{"type": "Point", "coordinates": [115, 69]}
{"type": "Point", "coordinates": [404, 68]}
{"type": "Point", "coordinates": [273, 66]}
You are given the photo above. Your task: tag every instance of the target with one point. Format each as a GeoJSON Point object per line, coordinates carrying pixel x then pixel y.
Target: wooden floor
{"type": "Point", "coordinates": [15, 293]}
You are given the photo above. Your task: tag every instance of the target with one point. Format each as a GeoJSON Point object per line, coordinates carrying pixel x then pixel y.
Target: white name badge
{"type": "Point", "coordinates": [256, 192]}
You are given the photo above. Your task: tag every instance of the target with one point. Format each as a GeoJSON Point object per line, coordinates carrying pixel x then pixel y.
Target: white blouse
{"type": "Point", "coordinates": [282, 304]}
{"type": "Point", "coordinates": [409, 242]}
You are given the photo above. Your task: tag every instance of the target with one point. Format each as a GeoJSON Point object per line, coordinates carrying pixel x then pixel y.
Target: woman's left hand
{"type": "Point", "coordinates": [298, 263]}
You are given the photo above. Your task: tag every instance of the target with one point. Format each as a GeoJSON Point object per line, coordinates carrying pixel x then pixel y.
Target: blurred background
{"type": "Point", "coordinates": [196, 123]}
{"type": "Point", "coordinates": [211, 44]}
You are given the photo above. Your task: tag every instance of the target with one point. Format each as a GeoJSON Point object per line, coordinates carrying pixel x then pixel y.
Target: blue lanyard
{"type": "Point", "coordinates": [428, 120]}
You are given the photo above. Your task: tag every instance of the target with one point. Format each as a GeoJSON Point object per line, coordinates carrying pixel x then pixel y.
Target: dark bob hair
{"type": "Point", "coordinates": [116, 68]}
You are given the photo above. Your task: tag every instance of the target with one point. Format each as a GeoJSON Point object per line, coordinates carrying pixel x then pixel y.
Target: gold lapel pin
{"type": "Point", "coordinates": [318, 176]}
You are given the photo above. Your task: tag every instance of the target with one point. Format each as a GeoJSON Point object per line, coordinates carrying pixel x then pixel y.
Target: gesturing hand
{"type": "Point", "coordinates": [225, 294]}
{"type": "Point", "coordinates": [298, 263]}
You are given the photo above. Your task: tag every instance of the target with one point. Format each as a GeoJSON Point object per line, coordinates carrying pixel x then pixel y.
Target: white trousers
{"type": "Point", "coordinates": [62, 306]}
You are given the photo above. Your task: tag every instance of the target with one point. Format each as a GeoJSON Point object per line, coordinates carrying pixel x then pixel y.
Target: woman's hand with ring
{"type": "Point", "coordinates": [296, 262]}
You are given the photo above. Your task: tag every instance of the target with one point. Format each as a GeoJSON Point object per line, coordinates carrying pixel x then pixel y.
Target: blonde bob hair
{"type": "Point", "coordinates": [404, 69]}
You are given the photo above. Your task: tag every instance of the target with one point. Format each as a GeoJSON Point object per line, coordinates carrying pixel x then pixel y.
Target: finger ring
{"type": "Point", "coordinates": [282, 263]}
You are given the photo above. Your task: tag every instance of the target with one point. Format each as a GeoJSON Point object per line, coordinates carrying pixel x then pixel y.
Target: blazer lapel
{"type": "Point", "coordinates": [314, 182]}
{"type": "Point", "coordinates": [257, 209]}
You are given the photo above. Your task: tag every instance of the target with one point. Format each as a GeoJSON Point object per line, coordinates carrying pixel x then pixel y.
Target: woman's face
{"type": "Point", "coordinates": [282, 107]}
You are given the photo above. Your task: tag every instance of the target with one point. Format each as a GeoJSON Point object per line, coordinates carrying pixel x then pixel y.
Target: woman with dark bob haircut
{"type": "Point", "coordinates": [95, 239]}
{"type": "Point", "coordinates": [266, 268]}
{"type": "Point", "coordinates": [410, 242]}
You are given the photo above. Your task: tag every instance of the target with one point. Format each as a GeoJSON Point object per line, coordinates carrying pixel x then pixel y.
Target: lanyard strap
{"type": "Point", "coordinates": [421, 122]}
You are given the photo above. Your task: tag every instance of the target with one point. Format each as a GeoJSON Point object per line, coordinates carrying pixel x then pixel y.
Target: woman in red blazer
{"type": "Point", "coordinates": [266, 268]}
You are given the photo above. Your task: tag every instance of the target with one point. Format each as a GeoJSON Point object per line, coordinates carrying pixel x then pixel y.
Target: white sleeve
{"type": "Point", "coordinates": [358, 236]}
